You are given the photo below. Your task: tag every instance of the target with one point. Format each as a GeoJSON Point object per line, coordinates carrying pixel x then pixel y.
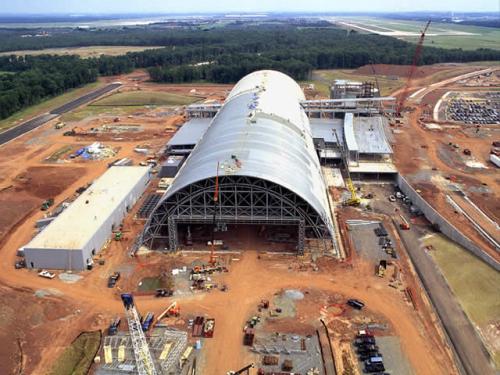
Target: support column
{"type": "Point", "coordinates": [172, 234]}
{"type": "Point", "coordinates": [301, 237]}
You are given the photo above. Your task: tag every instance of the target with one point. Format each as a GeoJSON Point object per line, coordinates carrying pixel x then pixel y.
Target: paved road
{"type": "Point", "coordinates": [418, 95]}
{"type": "Point", "coordinates": [34, 123]}
{"type": "Point", "coordinates": [469, 349]}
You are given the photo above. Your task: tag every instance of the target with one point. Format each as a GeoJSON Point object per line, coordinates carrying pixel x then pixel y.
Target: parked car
{"type": "Point", "coordinates": [164, 293]}
{"type": "Point", "coordinates": [374, 364]}
{"type": "Point", "coordinates": [46, 274]}
{"type": "Point", "coordinates": [366, 348]}
{"type": "Point", "coordinates": [364, 333]}
{"type": "Point", "coordinates": [113, 279]}
{"type": "Point", "coordinates": [365, 356]}
{"type": "Point", "coordinates": [20, 264]}
{"type": "Point", "coordinates": [365, 341]}
{"type": "Point", "coordinates": [356, 304]}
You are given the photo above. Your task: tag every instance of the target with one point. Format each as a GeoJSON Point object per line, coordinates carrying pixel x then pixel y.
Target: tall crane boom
{"type": "Point", "coordinates": [143, 359]}
{"type": "Point", "coordinates": [354, 200]}
{"type": "Point", "coordinates": [241, 371]}
{"type": "Point", "coordinates": [413, 68]}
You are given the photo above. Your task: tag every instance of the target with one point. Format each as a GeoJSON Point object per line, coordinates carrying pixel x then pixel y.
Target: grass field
{"type": "Point", "coordinates": [85, 52]}
{"type": "Point", "coordinates": [91, 110]}
{"type": "Point", "coordinates": [142, 98]}
{"type": "Point", "coordinates": [77, 358]}
{"type": "Point", "coordinates": [386, 85]}
{"type": "Point", "coordinates": [474, 283]}
{"type": "Point", "coordinates": [47, 105]}
{"type": "Point", "coordinates": [322, 87]}
{"type": "Point", "coordinates": [483, 37]}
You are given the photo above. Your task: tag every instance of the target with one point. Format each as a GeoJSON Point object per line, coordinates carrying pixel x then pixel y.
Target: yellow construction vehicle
{"type": "Point", "coordinates": [382, 267]}
{"type": "Point", "coordinates": [354, 200]}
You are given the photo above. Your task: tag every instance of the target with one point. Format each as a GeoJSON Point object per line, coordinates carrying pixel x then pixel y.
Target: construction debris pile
{"type": "Point", "coordinates": [96, 151]}
{"type": "Point", "coordinates": [288, 353]}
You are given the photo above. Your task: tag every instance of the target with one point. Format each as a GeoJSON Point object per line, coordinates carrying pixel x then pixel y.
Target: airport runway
{"type": "Point", "coordinates": [34, 123]}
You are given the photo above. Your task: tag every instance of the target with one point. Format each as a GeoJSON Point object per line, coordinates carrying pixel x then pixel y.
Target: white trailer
{"type": "Point", "coordinates": [495, 160]}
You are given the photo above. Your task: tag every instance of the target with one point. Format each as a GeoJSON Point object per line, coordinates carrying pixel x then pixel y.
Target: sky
{"type": "Point", "coordinates": [204, 6]}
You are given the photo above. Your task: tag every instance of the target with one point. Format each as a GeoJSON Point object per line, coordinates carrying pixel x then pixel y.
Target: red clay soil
{"type": "Point", "coordinates": [432, 98]}
{"type": "Point", "coordinates": [488, 206]}
{"type": "Point", "coordinates": [46, 182]}
{"type": "Point", "coordinates": [21, 309]}
{"type": "Point", "coordinates": [15, 207]}
{"type": "Point", "coordinates": [477, 216]}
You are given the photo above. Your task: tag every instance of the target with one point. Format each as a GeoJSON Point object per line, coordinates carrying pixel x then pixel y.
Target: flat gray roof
{"type": "Point", "coordinates": [370, 135]}
{"type": "Point", "coordinates": [323, 128]}
{"type": "Point", "coordinates": [191, 132]}
{"type": "Point", "coordinates": [350, 137]}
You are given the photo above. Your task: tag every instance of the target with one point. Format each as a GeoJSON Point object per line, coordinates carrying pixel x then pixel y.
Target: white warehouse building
{"type": "Point", "coordinates": [80, 231]}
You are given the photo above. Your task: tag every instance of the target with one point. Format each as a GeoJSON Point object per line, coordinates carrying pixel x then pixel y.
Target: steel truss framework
{"type": "Point", "coordinates": [242, 200]}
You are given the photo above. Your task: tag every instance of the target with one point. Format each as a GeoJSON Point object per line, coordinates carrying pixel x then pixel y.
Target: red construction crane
{"type": "Point", "coordinates": [413, 68]}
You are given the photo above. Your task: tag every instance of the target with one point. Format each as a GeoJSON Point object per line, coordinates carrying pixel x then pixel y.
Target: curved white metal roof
{"type": "Point", "coordinates": [261, 131]}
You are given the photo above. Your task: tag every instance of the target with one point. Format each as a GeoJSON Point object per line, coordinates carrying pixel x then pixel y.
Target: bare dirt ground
{"type": "Point", "coordinates": [26, 180]}
{"type": "Point", "coordinates": [88, 304]}
{"type": "Point", "coordinates": [435, 167]}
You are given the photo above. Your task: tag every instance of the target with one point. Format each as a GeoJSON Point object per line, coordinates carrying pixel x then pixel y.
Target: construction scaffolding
{"type": "Point", "coordinates": [165, 344]}
{"type": "Point", "coordinates": [243, 200]}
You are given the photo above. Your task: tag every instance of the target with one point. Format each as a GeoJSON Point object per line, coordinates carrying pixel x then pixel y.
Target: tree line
{"type": "Point", "coordinates": [220, 55]}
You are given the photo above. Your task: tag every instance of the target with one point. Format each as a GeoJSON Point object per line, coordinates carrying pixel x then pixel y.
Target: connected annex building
{"type": "Point", "coordinates": [260, 148]}
{"type": "Point", "coordinates": [81, 230]}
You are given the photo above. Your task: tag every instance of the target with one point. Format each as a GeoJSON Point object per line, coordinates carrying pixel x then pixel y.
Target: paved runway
{"type": "Point", "coordinates": [34, 123]}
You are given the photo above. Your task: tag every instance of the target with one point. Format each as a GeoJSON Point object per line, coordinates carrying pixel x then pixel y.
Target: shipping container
{"type": "Point", "coordinates": [171, 166]}
{"type": "Point", "coordinates": [146, 322]}
{"type": "Point", "coordinates": [249, 337]}
{"type": "Point", "coordinates": [208, 328]}
{"type": "Point", "coordinates": [495, 160]}
{"type": "Point", "coordinates": [198, 326]}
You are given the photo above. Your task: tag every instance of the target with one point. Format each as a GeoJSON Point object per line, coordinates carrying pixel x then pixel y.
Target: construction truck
{"type": "Point", "coordinates": [75, 131]}
{"type": "Point", "coordinates": [113, 327]}
{"type": "Point", "coordinates": [172, 310]}
{"type": "Point", "coordinates": [404, 223]}
{"type": "Point", "coordinates": [47, 204]}
{"type": "Point", "coordinates": [354, 200]}
{"type": "Point", "coordinates": [382, 267]}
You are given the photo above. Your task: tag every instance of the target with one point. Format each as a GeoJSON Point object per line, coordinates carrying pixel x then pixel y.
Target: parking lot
{"type": "Point", "coordinates": [481, 110]}
{"type": "Point", "coordinates": [366, 241]}
{"type": "Point", "coordinates": [395, 363]}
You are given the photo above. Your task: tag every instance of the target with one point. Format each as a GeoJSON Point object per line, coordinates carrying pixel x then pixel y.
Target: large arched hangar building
{"type": "Point", "coordinates": [269, 172]}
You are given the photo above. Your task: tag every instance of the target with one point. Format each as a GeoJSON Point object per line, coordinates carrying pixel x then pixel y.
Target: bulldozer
{"type": "Point", "coordinates": [75, 131]}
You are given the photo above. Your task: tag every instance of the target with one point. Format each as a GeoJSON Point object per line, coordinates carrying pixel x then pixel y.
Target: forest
{"type": "Point", "coordinates": [220, 55]}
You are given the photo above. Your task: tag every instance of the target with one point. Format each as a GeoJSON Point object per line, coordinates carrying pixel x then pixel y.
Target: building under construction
{"type": "Point", "coordinates": [257, 159]}
{"type": "Point", "coordinates": [168, 349]}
